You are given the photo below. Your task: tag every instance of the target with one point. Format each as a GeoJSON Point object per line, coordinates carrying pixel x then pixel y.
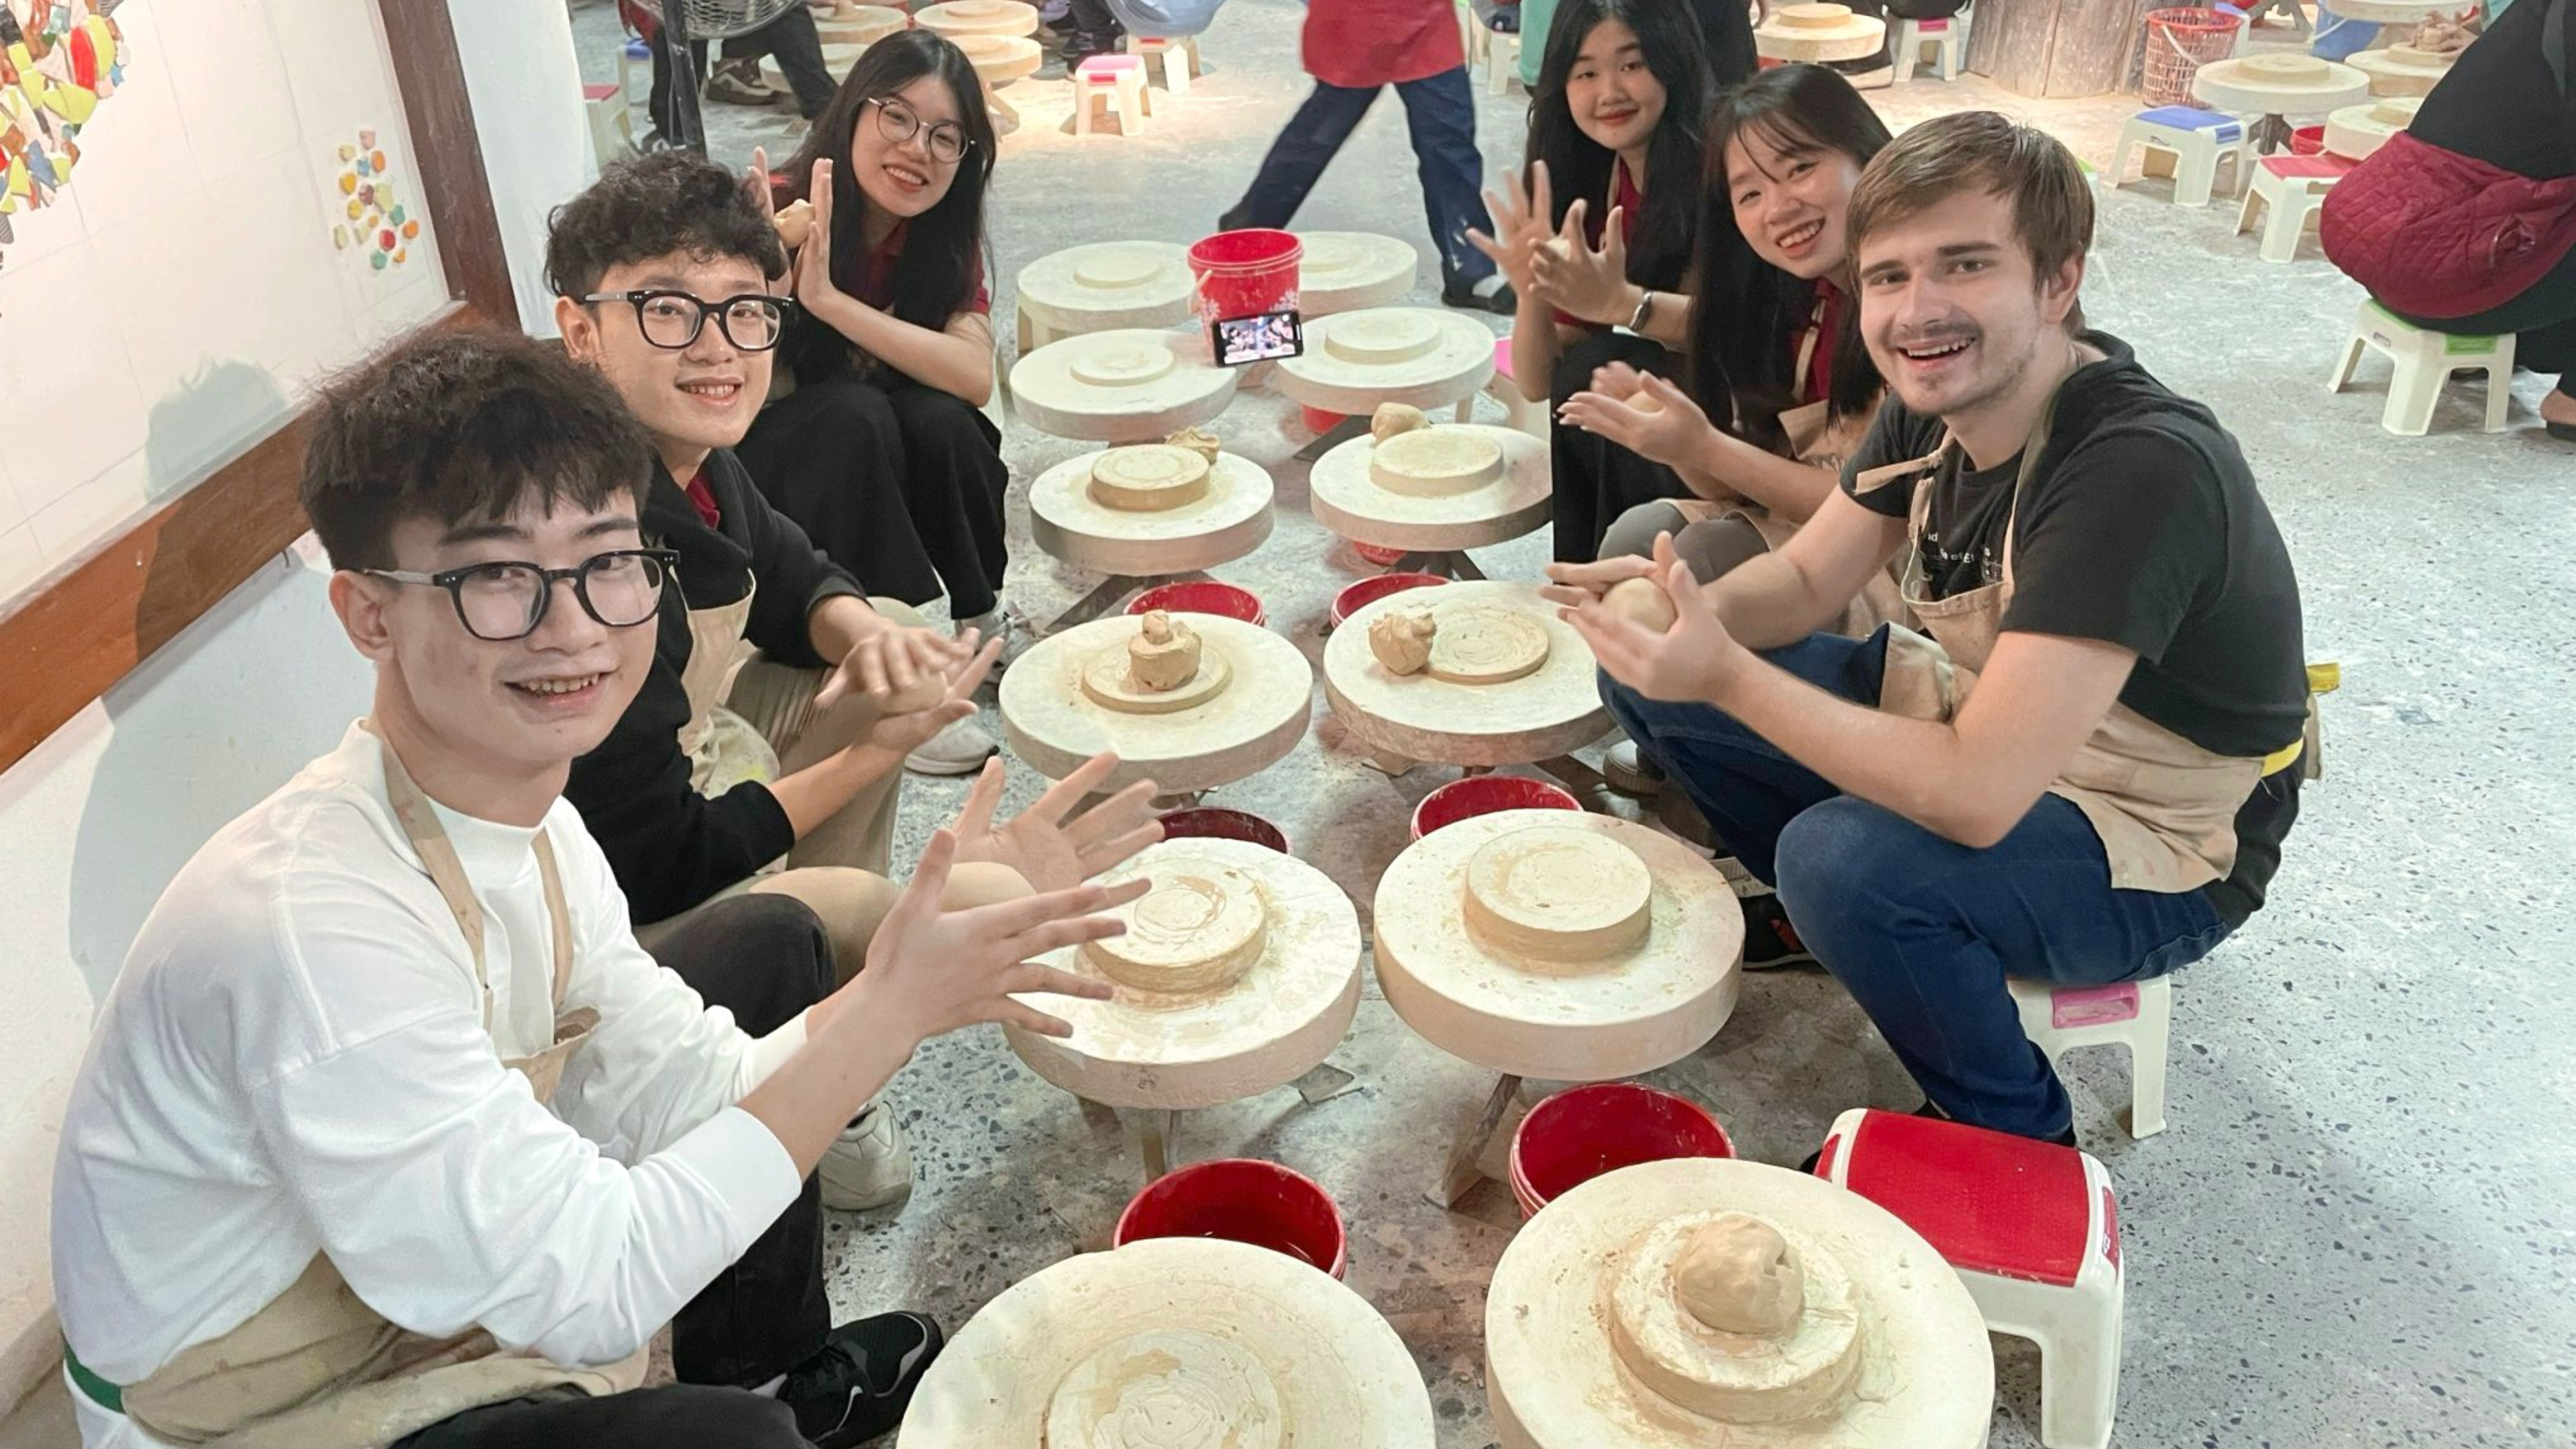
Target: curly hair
{"type": "Point", "coordinates": [653, 206]}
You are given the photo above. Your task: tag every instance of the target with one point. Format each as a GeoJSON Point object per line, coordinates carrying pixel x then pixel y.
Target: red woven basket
{"type": "Point", "coordinates": [2179, 43]}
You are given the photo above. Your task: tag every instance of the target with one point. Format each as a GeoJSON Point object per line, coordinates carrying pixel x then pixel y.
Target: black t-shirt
{"type": "Point", "coordinates": [2140, 527]}
{"type": "Point", "coordinates": [2509, 101]}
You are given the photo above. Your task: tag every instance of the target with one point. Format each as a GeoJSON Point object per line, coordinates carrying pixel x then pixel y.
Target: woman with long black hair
{"type": "Point", "coordinates": [882, 451]}
{"type": "Point", "coordinates": [1600, 235]}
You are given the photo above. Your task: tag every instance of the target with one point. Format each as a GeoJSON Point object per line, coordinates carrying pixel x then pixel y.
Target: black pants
{"type": "Point", "coordinates": [1596, 479]}
{"type": "Point", "coordinates": [900, 483]}
{"type": "Point", "coordinates": [1092, 18]}
{"type": "Point", "coordinates": [674, 1416]}
{"type": "Point", "coordinates": [2544, 317]}
{"type": "Point", "coordinates": [791, 37]}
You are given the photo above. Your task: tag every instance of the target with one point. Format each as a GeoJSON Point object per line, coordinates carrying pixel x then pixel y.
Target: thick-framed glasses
{"type": "Point", "coordinates": [944, 140]}
{"type": "Point", "coordinates": [500, 602]}
{"type": "Point", "coordinates": [673, 320]}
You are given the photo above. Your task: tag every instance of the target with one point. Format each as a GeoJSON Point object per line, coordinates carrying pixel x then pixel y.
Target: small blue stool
{"type": "Point", "coordinates": [2186, 143]}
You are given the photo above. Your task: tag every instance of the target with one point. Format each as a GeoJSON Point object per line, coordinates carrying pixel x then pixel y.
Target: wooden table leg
{"type": "Point", "coordinates": [1462, 1173]}
{"type": "Point", "coordinates": [1154, 1133]}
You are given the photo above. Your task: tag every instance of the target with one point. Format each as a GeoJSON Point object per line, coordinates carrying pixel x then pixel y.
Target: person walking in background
{"type": "Point", "coordinates": [1354, 49]}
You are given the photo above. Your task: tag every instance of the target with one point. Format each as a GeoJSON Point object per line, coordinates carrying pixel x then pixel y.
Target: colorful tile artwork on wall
{"type": "Point", "coordinates": [58, 60]}
{"type": "Point", "coordinates": [374, 221]}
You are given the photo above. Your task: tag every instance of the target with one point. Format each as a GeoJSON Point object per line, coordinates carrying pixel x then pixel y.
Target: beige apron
{"type": "Point", "coordinates": [317, 1368]}
{"type": "Point", "coordinates": [2163, 807]}
{"type": "Point", "coordinates": [724, 749]}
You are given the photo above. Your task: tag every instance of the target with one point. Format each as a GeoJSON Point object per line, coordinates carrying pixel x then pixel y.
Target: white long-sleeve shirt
{"type": "Point", "coordinates": [294, 1062]}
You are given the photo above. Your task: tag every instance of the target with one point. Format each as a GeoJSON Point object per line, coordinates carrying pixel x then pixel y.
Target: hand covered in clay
{"type": "Point", "coordinates": [1050, 852]}
{"type": "Point", "coordinates": [901, 733]}
{"type": "Point", "coordinates": [932, 970]}
{"type": "Point", "coordinates": [1576, 278]}
{"type": "Point", "coordinates": [1655, 420]}
{"type": "Point", "coordinates": [896, 662]}
{"type": "Point", "coordinates": [1693, 660]}
{"type": "Point", "coordinates": [1520, 226]}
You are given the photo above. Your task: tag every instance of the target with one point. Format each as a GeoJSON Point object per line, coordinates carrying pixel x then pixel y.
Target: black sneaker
{"type": "Point", "coordinates": [857, 1386]}
{"type": "Point", "coordinates": [1770, 942]}
{"type": "Point", "coordinates": [1502, 303]}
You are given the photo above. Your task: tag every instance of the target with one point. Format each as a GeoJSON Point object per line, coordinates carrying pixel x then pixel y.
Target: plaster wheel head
{"type": "Point", "coordinates": [1113, 268]}
{"type": "Point", "coordinates": [1383, 338]}
{"type": "Point", "coordinates": [1354, 361]}
{"type": "Point", "coordinates": [1150, 477]}
{"type": "Point", "coordinates": [1170, 1389]}
{"type": "Point", "coordinates": [1198, 930]}
{"type": "Point", "coordinates": [2402, 70]}
{"type": "Point", "coordinates": [2276, 83]}
{"type": "Point", "coordinates": [2357, 132]}
{"type": "Point", "coordinates": [1789, 1345]}
{"type": "Point", "coordinates": [1391, 419]}
{"type": "Point", "coordinates": [1644, 601]}
{"type": "Point", "coordinates": [1558, 893]}
{"type": "Point", "coordinates": [1436, 462]}
{"type": "Point", "coordinates": [1345, 495]}
{"type": "Point", "coordinates": [1818, 32]}
{"type": "Point", "coordinates": [979, 17]}
{"type": "Point", "coordinates": [1053, 719]}
{"type": "Point", "coordinates": [1424, 716]}
{"type": "Point", "coordinates": [1127, 385]}
{"type": "Point", "coordinates": [1486, 644]}
{"type": "Point", "coordinates": [1132, 365]}
{"type": "Point", "coordinates": [859, 25]}
{"type": "Point", "coordinates": [1342, 271]}
{"type": "Point", "coordinates": [1173, 1343]}
{"type": "Point", "coordinates": [1109, 681]}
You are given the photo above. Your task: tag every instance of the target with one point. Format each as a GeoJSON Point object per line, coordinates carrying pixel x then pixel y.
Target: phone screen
{"type": "Point", "coordinates": [1241, 340]}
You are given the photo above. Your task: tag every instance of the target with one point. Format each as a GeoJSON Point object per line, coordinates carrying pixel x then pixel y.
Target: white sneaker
{"type": "Point", "coordinates": [869, 1166]}
{"type": "Point", "coordinates": [960, 749]}
{"type": "Point", "coordinates": [1630, 772]}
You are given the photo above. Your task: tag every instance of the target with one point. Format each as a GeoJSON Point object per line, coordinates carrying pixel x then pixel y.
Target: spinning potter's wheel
{"type": "Point", "coordinates": [1174, 1343]}
{"type": "Point", "coordinates": [1354, 496]}
{"type": "Point", "coordinates": [1123, 386]}
{"type": "Point", "coordinates": [1515, 720]}
{"type": "Point", "coordinates": [1054, 723]}
{"type": "Point", "coordinates": [1223, 519]}
{"type": "Point", "coordinates": [1240, 970]}
{"type": "Point", "coordinates": [1709, 1301]}
{"type": "Point", "coordinates": [1559, 945]}
{"type": "Point", "coordinates": [1419, 355]}
{"type": "Point", "coordinates": [1344, 271]}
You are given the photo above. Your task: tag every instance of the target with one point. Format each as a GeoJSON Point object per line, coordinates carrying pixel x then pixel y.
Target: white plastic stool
{"type": "Point", "coordinates": [2031, 1228]}
{"type": "Point", "coordinates": [1117, 78]}
{"type": "Point", "coordinates": [2289, 192]}
{"type": "Point", "coordinates": [2425, 360]}
{"type": "Point", "coordinates": [2186, 144]}
{"type": "Point", "coordinates": [1169, 54]}
{"type": "Point", "coordinates": [1913, 35]}
{"type": "Point", "coordinates": [612, 131]}
{"type": "Point", "coordinates": [2134, 1014]}
{"type": "Point", "coordinates": [1502, 62]}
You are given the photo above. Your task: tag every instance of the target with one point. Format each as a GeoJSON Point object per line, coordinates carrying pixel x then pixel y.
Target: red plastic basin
{"type": "Point", "coordinates": [1583, 1132]}
{"type": "Point", "coordinates": [1369, 590]}
{"type": "Point", "coordinates": [1202, 596]}
{"type": "Point", "coordinates": [1483, 795]}
{"type": "Point", "coordinates": [1244, 1200]}
{"type": "Point", "coordinates": [1378, 556]}
{"type": "Point", "coordinates": [1214, 822]}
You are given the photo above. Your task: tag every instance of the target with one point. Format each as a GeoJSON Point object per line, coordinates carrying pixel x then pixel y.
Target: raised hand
{"type": "Point", "coordinates": [1655, 420]}
{"type": "Point", "coordinates": [1520, 225]}
{"type": "Point", "coordinates": [889, 662]}
{"type": "Point", "coordinates": [1692, 660]}
{"type": "Point", "coordinates": [903, 733]}
{"type": "Point", "coordinates": [932, 970]}
{"type": "Point", "coordinates": [1576, 584]}
{"type": "Point", "coordinates": [1581, 280]}
{"type": "Point", "coordinates": [812, 270]}
{"type": "Point", "coordinates": [1048, 851]}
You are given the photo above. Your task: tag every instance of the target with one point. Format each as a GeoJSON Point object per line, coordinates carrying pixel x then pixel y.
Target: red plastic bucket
{"type": "Point", "coordinates": [1483, 795]}
{"type": "Point", "coordinates": [2308, 141]}
{"type": "Point", "coordinates": [1246, 273]}
{"type": "Point", "coordinates": [1583, 1132]}
{"type": "Point", "coordinates": [1214, 822]}
{"type": "Point", "coordinates": [1369, 590]}
{"type": "Point", "coordinates": [1244, 1200]}
{"type": "Point", "coordinates": [1202, 596]}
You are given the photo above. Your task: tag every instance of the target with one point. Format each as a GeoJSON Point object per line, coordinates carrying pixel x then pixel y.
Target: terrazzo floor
{"type": "Point", "coordinates": [2355, 1232]}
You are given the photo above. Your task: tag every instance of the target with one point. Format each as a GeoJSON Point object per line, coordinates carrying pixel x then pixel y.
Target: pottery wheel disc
{"type": "Point", "coordinates": [1108, 285]}
{"type": "Point", "coordinates": [2401, 70]}
{"type": "Point", "coordinates": [2278, 84]}
{"type": "Point", "coordinates": [1149, 477]}
{"type": "Point", "coordinates": [1538, 716]}
{"type": "Point", "coordinates": [1129, 385]}
{"type": "Point", "coordinates": [859, 24]}
{"type": "Point", "coordinates": [1001, 59]}
{"type": "Point", "coordinates": [1109, 682]}
{"type": "Point", "coordinates": [1249, 725]}
{"type": "Point", "coordinates": [1347, 497]}
{"type": "Point", "coordinates": [1228, 520]}
{"type": "Point", "coordinates": [1575, 1308]}
{"type": "Point", "coordinates": [1819, 32]}
{"type": "Point", "coordinates": [1480, 644]}
{"type": "Point", "coordinates": [979, 17]}
{"type": "Point", "coordinates": [1425, 356]}
{"type": "Point", "coordinates": [1194, 1338]}
{"type": "Point", "coordinates": [1273, 942]}
{"type": "Point", "coordinates": [2395, 12]}
{"type": "Point", "coordinates": [2356, 132]}
{"type": "Point", "coordinates": [1436, 462]}
{"type": "Point", "coordinates": [1617, 1014]}
{"type": "Point", "coordinates": [1344, 271]}
{"type": "Point", "coordinates": [1558, 892]}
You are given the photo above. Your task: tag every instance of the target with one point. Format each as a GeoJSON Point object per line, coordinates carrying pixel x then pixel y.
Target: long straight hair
{"type": "Point", "coordinates": [943, 246]}
{"type": "Point", "coordinates": [1747, 312]}
{"type": "Point", "coordinates": [1659, 251]}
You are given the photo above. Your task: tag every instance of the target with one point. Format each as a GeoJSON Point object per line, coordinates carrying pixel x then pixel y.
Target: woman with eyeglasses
{"type": "Point", "coordinates": [881, 450]}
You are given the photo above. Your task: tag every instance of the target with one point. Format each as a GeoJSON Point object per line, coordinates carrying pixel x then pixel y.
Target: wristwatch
{"type": "Point", "coordinates": [1645, 309]}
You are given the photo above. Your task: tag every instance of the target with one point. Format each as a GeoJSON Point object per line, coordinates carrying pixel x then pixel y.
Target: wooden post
{"type": "Point", "coordinates": [2057, 47]}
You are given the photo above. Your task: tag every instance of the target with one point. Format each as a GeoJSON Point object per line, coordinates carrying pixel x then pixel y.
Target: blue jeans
{"type": "Point", "coordinates": [1921, 930]}
{"type": "Point", "coordinates": [1441, 112]}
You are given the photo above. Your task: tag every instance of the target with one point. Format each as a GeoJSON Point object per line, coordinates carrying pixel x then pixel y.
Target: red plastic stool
{"type": "Point", "coordinates": [2032, 1229]}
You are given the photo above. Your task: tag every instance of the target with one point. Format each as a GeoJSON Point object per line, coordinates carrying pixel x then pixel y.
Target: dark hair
{"type": "Point", "coordinates": [1746, 310]}
{"type": "Point", "coordinates": [942, 247]}
{"type": "Point", "coordinates": [1983, 151]}
{"type": "Point", "coordinates": [1659, 250]}
{"type": "Point", "coordinates": [652, 206]}
{"type": "Point", "coordinates": [458, 426]}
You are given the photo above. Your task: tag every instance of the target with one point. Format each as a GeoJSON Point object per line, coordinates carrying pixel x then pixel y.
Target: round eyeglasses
{"type": "Point", "coordinates": [944, 140]}
{"type": "Point", "coordinates": [752, 322]}
{"type": "Point", "coordinates": [500, 602]}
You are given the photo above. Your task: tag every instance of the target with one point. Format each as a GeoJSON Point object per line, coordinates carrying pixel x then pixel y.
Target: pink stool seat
{"type": "Point", "coordinates": [1988, 1202]}
{"type": "Point", "coordinates": [598, 92]}
{"type": "Point", "coordinates": [1503, 357]}
{"type": "Point", "coordinates": [1110, 64]}
{"type": "Point", "coordinates": [2322, 167]}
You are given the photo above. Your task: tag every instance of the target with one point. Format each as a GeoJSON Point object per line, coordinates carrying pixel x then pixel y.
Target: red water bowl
{"type": "Point", "coordinates": [1379, 556]}
{"type": "Point", "coordinates": [1213, 822]}
{"type": "Point", "coordinates": [1583, 1132]}
{"type": "Point", "coordinates": [1244, 1200]}
{"type": "Point", "coordinates": [1483, 795]}
{"type": "Point", "coordinates": [2308, 141]}
{"type": "Point", "coordinates": [1369, 590]}
{"type": "Point", "coordinates": [1318, 421]}
{"type": "Point", "coordinates": [1202, 596]}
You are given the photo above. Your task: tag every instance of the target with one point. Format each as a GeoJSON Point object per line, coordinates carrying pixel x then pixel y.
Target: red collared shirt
{"type": "Point", "coordinates": [1368, 43]}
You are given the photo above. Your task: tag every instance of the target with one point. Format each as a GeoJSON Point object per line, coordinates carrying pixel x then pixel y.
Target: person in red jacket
{"type": "Point", "coordinates": [1354, 49]}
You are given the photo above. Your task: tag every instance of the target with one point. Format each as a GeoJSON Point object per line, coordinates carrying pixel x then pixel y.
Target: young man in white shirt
{"type": "Point", "coordinates": [389, 1131]}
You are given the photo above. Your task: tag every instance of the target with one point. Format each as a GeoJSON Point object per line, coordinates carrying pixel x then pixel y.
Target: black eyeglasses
{"type": "Point", "coordinates": [673, 320]}
{"type": "Point", "coordinates": [500, 602]}
{"type": "Point", "coordinates": [944, 140]}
